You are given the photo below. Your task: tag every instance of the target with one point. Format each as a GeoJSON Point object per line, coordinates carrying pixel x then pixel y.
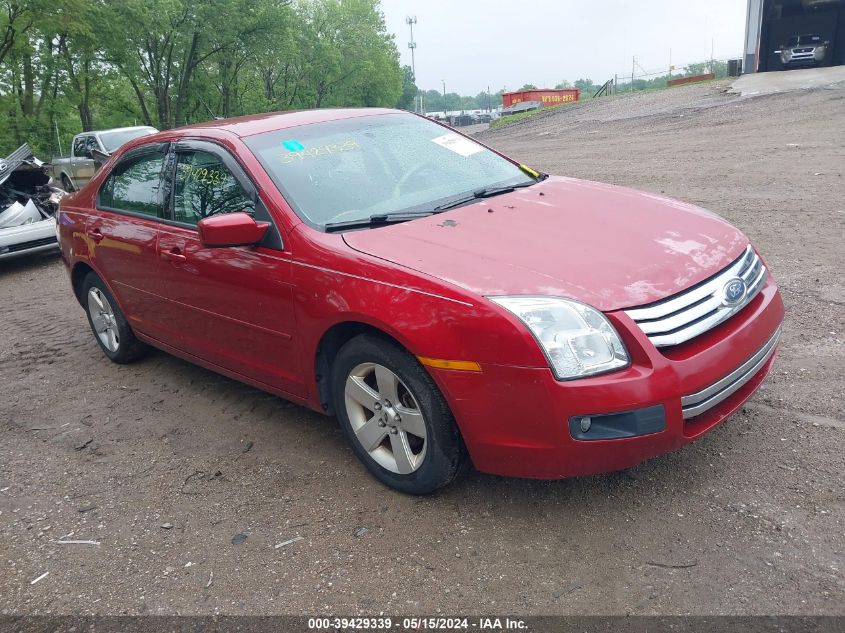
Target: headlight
{"type": "Point", "coordinates": [578, 340]}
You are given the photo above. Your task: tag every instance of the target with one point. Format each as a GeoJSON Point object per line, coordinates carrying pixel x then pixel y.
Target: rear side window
{"type": "Point", "coordinates": [206, 187]}
{"type": "Point", "coordinates": [135, 186]}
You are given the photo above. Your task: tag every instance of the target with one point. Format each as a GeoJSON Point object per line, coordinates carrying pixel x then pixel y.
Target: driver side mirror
{"type": "Point", "coordinates": [231, 229]}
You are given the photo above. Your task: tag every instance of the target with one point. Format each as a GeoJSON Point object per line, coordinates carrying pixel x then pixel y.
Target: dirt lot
{"type": "Point", "coordinates": [164, 464]}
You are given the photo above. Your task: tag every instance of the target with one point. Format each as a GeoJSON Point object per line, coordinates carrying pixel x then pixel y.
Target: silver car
{"type": "Point", "coordinates": [28, 203]}
{"type": "Point", "coordinates": [803, 50]}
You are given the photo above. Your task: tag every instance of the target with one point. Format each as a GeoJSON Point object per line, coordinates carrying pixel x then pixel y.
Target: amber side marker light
{"type": "Point", "coordinates": [457, 365]}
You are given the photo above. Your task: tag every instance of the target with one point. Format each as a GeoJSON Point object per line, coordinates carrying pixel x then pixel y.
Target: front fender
{"type": "Point", "coordinates": [428, 317]}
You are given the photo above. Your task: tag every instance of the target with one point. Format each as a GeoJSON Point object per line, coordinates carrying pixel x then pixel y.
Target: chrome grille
{"type": "Point", "coordinates": [684, 316]}
{"type": "Point", "coordinates": [704, 400]}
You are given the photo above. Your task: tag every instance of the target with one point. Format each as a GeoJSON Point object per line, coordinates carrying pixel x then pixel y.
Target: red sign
{"type": "Point", "coordinates": [547, 97]}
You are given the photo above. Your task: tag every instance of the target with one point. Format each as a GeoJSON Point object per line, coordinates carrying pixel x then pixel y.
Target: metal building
{"type": "Point", "coordinates": [774, 25]}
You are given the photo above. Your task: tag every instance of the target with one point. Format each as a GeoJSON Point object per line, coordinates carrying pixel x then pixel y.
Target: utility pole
{"type": "Point", "coordinates": [670, 64]}
{"type": "Point", "coordinates": [445, 109]}
{"type": "Point", "coordinates": [712, 60]}
{"type": "Point", "coordinates": [633, 70]}
{"type": "Point", "coordinates": [410, 21]}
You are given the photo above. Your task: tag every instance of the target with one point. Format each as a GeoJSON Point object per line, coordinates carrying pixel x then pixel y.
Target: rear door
{"type": "Point", "coordinates": [231, 306]}
{"type": "Point", "coordinates": [122, 235]}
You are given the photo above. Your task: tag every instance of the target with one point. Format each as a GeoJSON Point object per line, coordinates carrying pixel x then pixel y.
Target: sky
{"type": "Point", "coordinates": [473, 44]}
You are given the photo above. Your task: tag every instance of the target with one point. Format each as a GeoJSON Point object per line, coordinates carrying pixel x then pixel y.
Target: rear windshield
{"type": "Point", "coordinates": [113, 140]}
{"type": "Point", "coordinates": [349, 170]}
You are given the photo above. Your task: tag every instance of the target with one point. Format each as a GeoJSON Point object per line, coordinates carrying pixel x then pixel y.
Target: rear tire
{"type": "Point", "coordinates": [110, 328]}
{"type": "Point", "coordinates": [394, 416]}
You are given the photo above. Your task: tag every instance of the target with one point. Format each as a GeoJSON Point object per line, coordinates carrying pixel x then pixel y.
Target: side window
{"type": "Point", "coordinates": [135, 186]}
{"type": "Point", "coordinates": [79, 146]}
{"type": "Point", "coordinates": [205, 187]}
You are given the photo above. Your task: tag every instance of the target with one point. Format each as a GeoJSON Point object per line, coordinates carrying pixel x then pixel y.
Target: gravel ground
{"type": "Point", "coordinates": [197, 487]}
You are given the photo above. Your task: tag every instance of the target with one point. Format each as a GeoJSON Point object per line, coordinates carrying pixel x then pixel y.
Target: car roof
{"type": "Point", "coordinates": [122, 129]}
{"type": "Point", "coordinates": [271, 121]}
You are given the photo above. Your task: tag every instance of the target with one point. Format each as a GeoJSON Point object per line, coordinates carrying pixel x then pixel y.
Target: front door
{"type": "Point", "coordinates": [231, 306]}
{"type": "Point", "coordinates": [82, 165]}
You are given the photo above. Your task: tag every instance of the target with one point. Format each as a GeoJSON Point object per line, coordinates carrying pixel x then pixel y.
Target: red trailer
{"type": "Point", "coordinates": [546, 96]}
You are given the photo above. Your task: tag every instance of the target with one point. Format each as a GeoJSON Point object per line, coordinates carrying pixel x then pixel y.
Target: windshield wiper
{"type": "Point", "coordinates": [480, 194]}
{"type": "Point", "coordinates": [379, 219]}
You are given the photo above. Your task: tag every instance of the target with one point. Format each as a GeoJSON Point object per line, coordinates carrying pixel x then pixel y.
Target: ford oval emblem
{"type": "Point", "coordinates": [734, 292]}
{"type": "Point", "coordinates": [3, 166]}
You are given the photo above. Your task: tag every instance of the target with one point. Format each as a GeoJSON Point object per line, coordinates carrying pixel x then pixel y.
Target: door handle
{"type": "Point", "coordinates": [95, 234]}
{"type": "Point", "coordinates": [173, 255]}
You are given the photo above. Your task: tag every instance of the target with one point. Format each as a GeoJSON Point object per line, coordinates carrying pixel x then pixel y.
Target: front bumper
{"type": "Point", "coordinates": [813, 56]}
{"type": "Point", "coordinates": [516, 421]}
{"type": "Point", "coordinates": [27, 239]}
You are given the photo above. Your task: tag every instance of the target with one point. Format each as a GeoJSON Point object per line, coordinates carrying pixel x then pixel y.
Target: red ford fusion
{"type": "Point", "coordinates": [449, 305]}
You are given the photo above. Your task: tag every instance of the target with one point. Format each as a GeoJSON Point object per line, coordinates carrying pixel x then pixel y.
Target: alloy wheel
{"type": "Point", "coordinates": [103, 319]}
{"type": "Point", "coordinates": [386, 418]}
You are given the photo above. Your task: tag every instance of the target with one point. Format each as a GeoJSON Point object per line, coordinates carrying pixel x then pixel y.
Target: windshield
{"type": "Point", "coordinates": [804, 40]}
{"type": "Point", "coordinates": [113, 140]}
{"type": "Point", "coordinates": [349, 170]}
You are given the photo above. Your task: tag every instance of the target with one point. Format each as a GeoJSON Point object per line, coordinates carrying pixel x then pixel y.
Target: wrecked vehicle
{"type": "Point", "coordinates": [29, 203]}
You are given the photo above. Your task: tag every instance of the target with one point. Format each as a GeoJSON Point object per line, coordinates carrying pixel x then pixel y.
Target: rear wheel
{"type": "Point", "coordinates": [395, 417]}
{"type": "Point", "coordinates": [110, 328]}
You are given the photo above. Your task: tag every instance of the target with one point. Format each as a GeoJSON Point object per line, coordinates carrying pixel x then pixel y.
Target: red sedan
{"type": "Point", "coordinates": [447, 304]}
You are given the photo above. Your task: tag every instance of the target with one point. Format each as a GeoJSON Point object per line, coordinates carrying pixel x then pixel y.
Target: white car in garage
{"type": "Point", "coordinates": [802, 50]}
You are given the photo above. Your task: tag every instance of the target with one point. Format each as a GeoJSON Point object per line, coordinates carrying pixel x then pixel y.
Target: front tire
{"type": "Point", "coordinates": [109, 325]}
{"type": "Point", "coordinates": [66, 185]}
{"type": "Point", "coordinates": [394, 416]}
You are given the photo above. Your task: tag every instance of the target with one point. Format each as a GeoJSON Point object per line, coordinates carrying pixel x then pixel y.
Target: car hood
{"type": "Point", "coordinates": [606, 246]}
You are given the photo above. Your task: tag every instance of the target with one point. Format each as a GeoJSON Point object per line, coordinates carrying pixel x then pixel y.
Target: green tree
{"type": "Point", "coordinates": [72, 65]}
{"type": "Point", "coordinates": [352, 57]}
{"type": "Point", "coordinates": [586, 86]}
{"type": "Point", "coordinates": [433, 100]}
{"type": "Point", "coordinates": [487, 100]}
{"type": "Point", "coordinates": [409, 90]}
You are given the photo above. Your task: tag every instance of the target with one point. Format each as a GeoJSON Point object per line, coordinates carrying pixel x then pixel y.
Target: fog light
{"type": "Point", "coordinates": [611, 426]}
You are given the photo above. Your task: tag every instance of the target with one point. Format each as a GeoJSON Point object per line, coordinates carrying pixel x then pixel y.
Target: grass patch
{"type": "Point", "coordinates": [516, 118]}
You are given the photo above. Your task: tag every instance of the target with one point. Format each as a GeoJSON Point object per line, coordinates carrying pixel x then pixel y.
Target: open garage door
{"type": "Point", "coordinates": [801, 34]}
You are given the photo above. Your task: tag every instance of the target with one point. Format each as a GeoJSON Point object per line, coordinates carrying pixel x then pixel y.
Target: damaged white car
{"type": "Point", "coordinates": [28, 204]}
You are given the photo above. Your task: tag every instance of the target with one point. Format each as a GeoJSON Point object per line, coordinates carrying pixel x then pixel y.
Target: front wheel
{"type": "Point", "coordinates": [395, 417]}
{"type": "Point", "coordinates": [66, 185]}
